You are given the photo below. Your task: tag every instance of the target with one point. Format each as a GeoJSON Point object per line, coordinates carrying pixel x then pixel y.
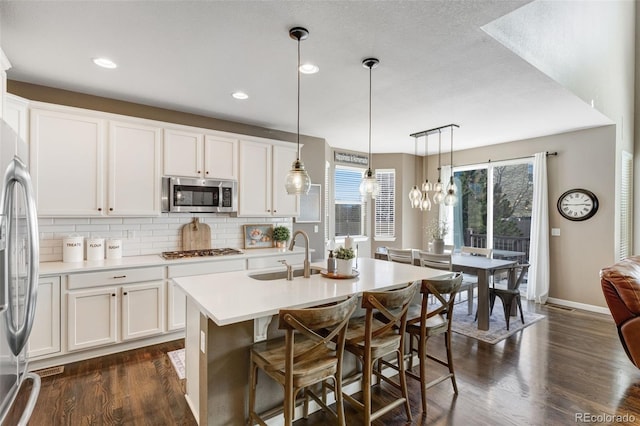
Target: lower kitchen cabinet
{"type": "Point", "coordinates": [45, 334]}
{"type": "Point", "coordinates": [176, 307]}
{"type": "Point", "coordinates": [95, 312]}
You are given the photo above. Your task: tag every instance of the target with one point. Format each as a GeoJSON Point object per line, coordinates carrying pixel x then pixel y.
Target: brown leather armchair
{"type": "Point", "coordinates": [621, 288]}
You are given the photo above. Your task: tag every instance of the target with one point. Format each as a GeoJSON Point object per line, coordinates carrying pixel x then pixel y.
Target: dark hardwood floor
{"type": "Point", "coordinates": [558, 371]}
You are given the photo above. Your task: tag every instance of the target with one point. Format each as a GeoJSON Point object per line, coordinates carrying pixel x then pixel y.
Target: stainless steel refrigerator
{"type": "Point", "coordinates": [19, 257]}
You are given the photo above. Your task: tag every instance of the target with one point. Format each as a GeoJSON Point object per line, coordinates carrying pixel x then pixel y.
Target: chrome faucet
{"type": "Point", "coordinates": [289, 270]}
{"type": "Point", "coordinates": [307, 264]}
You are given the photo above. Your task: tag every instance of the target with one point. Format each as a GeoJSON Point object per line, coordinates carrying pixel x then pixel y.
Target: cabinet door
{"type": "Point", "coordinates": [183, 153]}
{"type": "Point", "coordinates": [91, 317]}
{"type": "Point", "coordinates": [283, 203]}
{"type": "Point", "coordinates": [45, 334]}
{"type": "Point", "coordinates": [134, 170]}
{"type": "Point", "coordinates": [220, 157]}
{"type": "Point", "coordinates": [16, 114]}
{"type": "Point", "coordinates": [254, 183]}
{"type": "Point", "coordinates": [176, 307]}
{"type": "Point", "coordinates": [67, 163]}
{"type": "Point", "coordinates": [142, 309]}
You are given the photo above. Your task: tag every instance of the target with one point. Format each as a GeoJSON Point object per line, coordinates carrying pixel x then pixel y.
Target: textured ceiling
{"type": "Point", "coordinates": [437, 65]}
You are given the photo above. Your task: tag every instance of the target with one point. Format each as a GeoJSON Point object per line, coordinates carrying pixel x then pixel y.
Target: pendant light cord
{"type": "Point", "coordinates": [451, 154]}
{"type": "Point", "coordinates": [439, 153]}
{"type": "Point", "coordinates": [298, 71]}
{"type": "Point", "coordinates": [370, 159]}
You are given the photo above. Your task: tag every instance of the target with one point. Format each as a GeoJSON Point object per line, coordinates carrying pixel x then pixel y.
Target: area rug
{"type": "Point", "coordinates": [177, 359]}
{"type": "Point", "coordinates": [465, 324]}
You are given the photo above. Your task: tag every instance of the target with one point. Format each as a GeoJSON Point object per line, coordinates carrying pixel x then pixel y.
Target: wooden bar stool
{"type": "Point", "coordinates": [370, 339]}
{"type": "Point", "coordinates": [423, 324]}
{"type": "Point", "coordinates": [304, 356]}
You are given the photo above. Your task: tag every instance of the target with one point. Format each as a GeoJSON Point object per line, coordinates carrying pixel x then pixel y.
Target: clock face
{"type": "Point", "coordinates": [578, 204]}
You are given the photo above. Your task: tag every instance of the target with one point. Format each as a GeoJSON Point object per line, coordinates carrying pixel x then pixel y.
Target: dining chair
{"type": "Point", "coordinates": [435, 261]}
{"type": "Point", "coordinates": [510, 293]}
{"type": "Point", "coordinates": [381, 332]}
{"type": "Point", "coordinates": [423, 323]}
{"type": "Point", "coordinates": [310, 352]}
{"type": "Point", "coordinates": [470, 282]}
{"type": "Point", "coordinates": [400, 255]}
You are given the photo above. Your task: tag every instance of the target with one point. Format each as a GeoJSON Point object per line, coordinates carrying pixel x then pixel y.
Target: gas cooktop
{"type": "Point", "coordinates": [182, 254]}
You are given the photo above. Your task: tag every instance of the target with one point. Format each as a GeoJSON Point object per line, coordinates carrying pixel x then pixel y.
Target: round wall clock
{"type": "Point", "coordinates": [578, 204]}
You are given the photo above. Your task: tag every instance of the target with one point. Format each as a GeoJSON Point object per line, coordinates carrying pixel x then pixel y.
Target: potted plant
{"type": "Point", "coordinates": [280, 235]}
{"type": "Point", "coordinates": [437, 230]}
{"type": "Point", "coordinates": [344, 260]}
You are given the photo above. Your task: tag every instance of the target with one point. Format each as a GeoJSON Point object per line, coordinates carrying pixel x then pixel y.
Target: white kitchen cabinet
{"type": "Point", "coordinates": [142, 310]}
{"type": "Point", "coordinates": [195, 154]}
{"type": "Point", "coordinates": [263, 170]}
{"type": "Point", "coordinates": [96, 306]}
{"type": "Point", "coordinates": [176, 307]}
{"type": "Point", "coordinates": [92, 317]}
{"type": "Point", "coordinates": [16, 114]}
{"type": "Point", "coordinates": [74, 174]}
{"type": "Point", "coordinates": [45, 334]}
{"type": "Point", "coordinates": [134, 171]}
{"type": "Point", "coordinates": [67, 163]}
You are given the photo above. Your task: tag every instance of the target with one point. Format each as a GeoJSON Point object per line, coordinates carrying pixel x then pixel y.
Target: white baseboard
{"type": "Point", "coordinates": [576, 305]}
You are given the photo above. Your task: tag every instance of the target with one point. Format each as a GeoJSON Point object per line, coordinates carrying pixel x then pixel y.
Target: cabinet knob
{"type": "Point", "coordinates": [110, 209]}
{"type": "Point", "coordinates": [113, 295]}
{"type": "Point", "coordinates": [207, 172]}
{"type": "Point", "coordinates": [125, 293]}
{"type": "Point", "coordinates": [199, 172]}
{"type": "Point", "coordinates": [99, 209]}
{"type": "Point", "coordinates": [269, 210]}
{"type": "Point", "coordinates": [275, 211]}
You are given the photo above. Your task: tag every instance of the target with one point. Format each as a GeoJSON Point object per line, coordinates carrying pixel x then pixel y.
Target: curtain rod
{"type": "Point", "coordinates": [549, 154]}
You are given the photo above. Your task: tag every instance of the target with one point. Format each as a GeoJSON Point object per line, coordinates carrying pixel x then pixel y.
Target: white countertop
{"type": "Point", "coordinates": [232, 297]}
{"type": "Point", "coordinates": [61, 268]}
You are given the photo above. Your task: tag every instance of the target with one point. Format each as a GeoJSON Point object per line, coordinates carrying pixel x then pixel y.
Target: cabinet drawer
{"type": "Point", "coordinates": [114, 277]}
{"type": "Point", "coordinates": [269, 262]}
{"type": "Point", "coordinates": [189, 269]}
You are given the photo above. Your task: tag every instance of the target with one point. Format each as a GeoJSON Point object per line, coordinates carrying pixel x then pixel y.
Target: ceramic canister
{"type": "Point", "coordinates": [114, 249]}
{"type": "Point", "coordinates": [73, 248]}
{"type": "Point", "coordinates": [95, 248]}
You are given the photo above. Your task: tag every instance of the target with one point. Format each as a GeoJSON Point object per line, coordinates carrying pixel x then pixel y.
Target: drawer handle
{"type": "Point", "coordinates": [119, 276]}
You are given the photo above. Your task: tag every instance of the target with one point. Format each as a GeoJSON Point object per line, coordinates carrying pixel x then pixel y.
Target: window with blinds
{"type": "Point", "coordinates": [626, 194]}
{"type": "Point", "coordinates": [385, 211]}
{"type": "Point", "coordinates": [349, 208]}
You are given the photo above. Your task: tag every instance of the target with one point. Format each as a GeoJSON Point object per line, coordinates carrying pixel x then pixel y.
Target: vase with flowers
{"type": "Point", "coordinates": [437, 230]}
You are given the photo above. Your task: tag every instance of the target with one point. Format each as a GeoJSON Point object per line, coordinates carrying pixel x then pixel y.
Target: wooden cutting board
{"type": "Point", "coordinates": [196, 236]}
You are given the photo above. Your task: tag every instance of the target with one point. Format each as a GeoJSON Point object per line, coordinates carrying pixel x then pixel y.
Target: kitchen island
{"type": "Point", "coordinates": [227, 312]}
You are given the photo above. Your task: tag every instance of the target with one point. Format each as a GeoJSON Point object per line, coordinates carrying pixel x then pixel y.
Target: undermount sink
{"type": "Point", "coordinates": [280, 275]}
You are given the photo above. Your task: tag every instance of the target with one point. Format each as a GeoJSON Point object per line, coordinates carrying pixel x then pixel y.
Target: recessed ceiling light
{"type": "Point", "coordinates": [309, 69]}
{"type": "Point", "coordinates": [104, 63]}
{"type": "Point", "coordinates": [240, 95]}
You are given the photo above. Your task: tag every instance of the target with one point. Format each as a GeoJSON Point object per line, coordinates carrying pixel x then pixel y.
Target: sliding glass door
{"type": "Point", "coordinates": [494, 208]}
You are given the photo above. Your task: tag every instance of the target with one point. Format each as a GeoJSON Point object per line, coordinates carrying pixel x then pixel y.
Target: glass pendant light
{"type": "Point", "coordinates": [451, 199]}
{"type": "Point", "coordinates": [438, 188]}
{"type": "Point", "coordinates": [415, 196]}
{"type": "Point", "coordinates": [298, 181]}
{"type": "Point", "coordinates": [369, 186]}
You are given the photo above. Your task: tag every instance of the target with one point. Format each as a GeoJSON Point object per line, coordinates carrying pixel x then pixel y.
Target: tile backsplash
{"type": "Point", "coordinates": [144, 235]}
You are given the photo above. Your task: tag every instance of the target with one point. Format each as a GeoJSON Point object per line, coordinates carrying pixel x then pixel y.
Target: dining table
{"type": "Point", "coordinates": [484, 268]}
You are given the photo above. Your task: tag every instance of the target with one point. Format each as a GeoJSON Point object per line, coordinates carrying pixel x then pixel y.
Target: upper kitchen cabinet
{"type": "Point", "coordinates": [263, 170]}
{"type": "Point", "coordinates": [67, 163]}
{"type": "Point", "coordinates": [195, 154]}
{"type": "Point", "coordinates": [16, 114]}
{"type": "Point", "coordinates": [75, 173]}
{"type": "Point", "coordinates": [133, 178]}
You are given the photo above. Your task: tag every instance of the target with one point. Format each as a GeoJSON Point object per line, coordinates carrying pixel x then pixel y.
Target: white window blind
{"type": "Point", "coordinates": [349, 211]}
{"type": "Point", "coordinates": [626, 191]}
{"type": "Point", "coordinates": [385, 215]}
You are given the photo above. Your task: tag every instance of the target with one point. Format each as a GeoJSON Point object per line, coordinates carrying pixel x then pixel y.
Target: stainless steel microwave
{"type": "Point", "coordinates": [182, 194]}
